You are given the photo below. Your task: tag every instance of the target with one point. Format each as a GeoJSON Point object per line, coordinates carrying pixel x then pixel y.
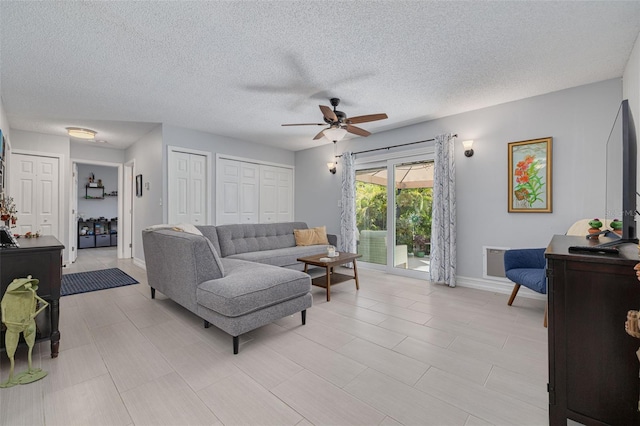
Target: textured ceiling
{"type": "Point", "coordinates": [242, 68]}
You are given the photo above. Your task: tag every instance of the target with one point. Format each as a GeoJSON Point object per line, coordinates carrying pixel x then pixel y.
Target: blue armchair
{"type": "Point", "coordinates": [526, 267]}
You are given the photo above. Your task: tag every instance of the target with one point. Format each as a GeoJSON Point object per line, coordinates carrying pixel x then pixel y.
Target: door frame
{"type": "Point", "coordinates": [171, 149]}
{"type": "Point", "coordinates": [390, 160]}
{"type": "Point", "coordinates": [62, 177]}
{"type": "Point", "coordinates": [73, 205]}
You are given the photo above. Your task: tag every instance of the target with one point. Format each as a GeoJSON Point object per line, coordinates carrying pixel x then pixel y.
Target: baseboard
{"type": "Point", "coordinates": [140, 263]}
{"type": "Point", "coordinates": [497, 287]}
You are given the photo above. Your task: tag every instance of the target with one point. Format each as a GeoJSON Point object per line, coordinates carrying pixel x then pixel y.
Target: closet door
{"type": "Point", "coordinates": [276, 194]}
{"type": "Point", "coordinates": [285, 195]}
{"type": "Point", "coordinates": [187, 188]}
{"type": "Point", "coordinates": [35, 187]}
{"type": "Point", "coordinates": [228, 193]}
{"type": "Point", "coordinates": [249, 193]}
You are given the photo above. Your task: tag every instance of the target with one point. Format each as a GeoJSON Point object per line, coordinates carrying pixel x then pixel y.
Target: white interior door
{"type": "Point", "coordinates": [285, 199]}
{"type": "Point", "coordinates": [73, 221]}
{"type": "Point", "coordinates": [36, 190]}
{"type": "Point", "coordinates": [188, 187]}
{"type": "Point", "coordinates": [249, 193]}
{"type": "Point", "coordinates": [268, 194]}
{"type": "Point", "coordinates": [197, 189]}
{"type": "Point", "coordinates": [228, 193]}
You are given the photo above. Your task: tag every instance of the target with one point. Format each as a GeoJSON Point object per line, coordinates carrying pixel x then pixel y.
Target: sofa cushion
{"type": "Point", "coordinates": [281, 257]}
{"type": "Point", "coordinates": [243, 238]}
{"type": "Point", "coordinates": [310, 237]}
{"type": "Point", "coordinates": [249, 287]}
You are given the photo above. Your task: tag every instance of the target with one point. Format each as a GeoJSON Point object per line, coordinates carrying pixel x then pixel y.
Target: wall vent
{"type": "Point", "coordinates": [493, 263]}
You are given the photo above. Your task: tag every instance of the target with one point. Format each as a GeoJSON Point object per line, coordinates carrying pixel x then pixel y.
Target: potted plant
{"type": "Point", "coordinates": [420, 242]}
{"type": "Point", "coordinates": [616, 225]}
{"type": "Point", "coordinates": [595, 225]}
{"type": "Point", "coordinates": [8, 210]}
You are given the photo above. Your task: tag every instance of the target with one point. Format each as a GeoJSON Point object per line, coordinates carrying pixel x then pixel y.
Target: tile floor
{"type": "Point", "coordinates": [398, 352]}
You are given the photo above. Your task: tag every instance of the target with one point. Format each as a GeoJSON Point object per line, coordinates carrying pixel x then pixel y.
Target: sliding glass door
{"type": "Point", "coordinates": [393, 214]}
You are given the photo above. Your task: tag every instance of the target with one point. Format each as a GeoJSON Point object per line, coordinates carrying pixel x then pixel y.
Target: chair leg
{"type": "Point", "coordinates": [304, 316]}
{"type": "Point", "coordinates": [546, 309]}
{"type": "Point", "coordinates": [236, 343]}
{"type": "Point", "coordinates": [513, 294]}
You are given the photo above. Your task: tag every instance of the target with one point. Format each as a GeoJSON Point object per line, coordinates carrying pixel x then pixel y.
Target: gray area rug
{"type": "Point", "coordinates": [83, 282]}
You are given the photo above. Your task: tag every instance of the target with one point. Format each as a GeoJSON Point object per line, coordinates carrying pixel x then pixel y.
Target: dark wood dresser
{"type": "Point", "coordinates": [593, 367]}
{"type": "Point", "coordinates": [42, 259]}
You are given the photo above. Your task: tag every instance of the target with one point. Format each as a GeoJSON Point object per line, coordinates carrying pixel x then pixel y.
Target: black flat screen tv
{"type": "Point", "coordinates": [621, 175]}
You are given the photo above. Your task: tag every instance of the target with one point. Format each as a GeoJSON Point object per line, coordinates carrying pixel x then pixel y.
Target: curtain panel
{"type": "Point", "coordinates": [443, 227]}
{"type": "Point", "coordinates": [348, 229]}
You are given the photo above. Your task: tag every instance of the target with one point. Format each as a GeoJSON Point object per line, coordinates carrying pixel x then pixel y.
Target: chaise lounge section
{"type": "Point", "coordinates": [236, 277]}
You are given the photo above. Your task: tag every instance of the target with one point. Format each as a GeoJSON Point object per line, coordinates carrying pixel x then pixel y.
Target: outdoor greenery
{"type": "Point", "coordinates": [413, 213]}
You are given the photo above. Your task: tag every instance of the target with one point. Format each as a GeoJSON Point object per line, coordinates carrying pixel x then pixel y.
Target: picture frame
{"type": "Point", "coordinates": [138, 185]}
{"type": "Point", "coordinates": [530, 180]}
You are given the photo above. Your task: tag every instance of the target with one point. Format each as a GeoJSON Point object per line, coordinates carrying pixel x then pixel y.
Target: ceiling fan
{"type": "Point", "coordinates": [339, 123]}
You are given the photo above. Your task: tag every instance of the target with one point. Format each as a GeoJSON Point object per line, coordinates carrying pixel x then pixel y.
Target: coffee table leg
{"type": "Point", "coordinates": [306, 265]}
{"type": "Point", "coordinates": [355, 274]}
{"type": "Point", "coordinates": [328, 284]}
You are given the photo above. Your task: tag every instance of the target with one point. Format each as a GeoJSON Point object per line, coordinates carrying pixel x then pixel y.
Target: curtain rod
{"type": "Point", "coordinates": [393, 146]}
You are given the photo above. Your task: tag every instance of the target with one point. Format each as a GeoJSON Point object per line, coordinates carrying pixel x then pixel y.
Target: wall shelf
{"type": "Point", "coordinates": [92, 197]}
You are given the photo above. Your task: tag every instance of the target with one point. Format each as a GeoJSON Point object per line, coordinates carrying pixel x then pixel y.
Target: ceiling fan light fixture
{"type": "Point", "coordinates": [80, 133]}
{"type": "Point", "coordinates": [335, 133]}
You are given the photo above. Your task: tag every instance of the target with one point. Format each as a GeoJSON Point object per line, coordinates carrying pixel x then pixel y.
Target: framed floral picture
{"type": "Point", "coordinates": [530, 176]}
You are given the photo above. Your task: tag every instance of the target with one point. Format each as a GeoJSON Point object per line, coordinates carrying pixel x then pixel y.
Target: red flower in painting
{"type": "Point", "coordinates": [529, 183]}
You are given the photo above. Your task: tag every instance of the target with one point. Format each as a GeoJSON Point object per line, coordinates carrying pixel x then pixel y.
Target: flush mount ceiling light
{"type": "Point", "coordinates": [80, 133]}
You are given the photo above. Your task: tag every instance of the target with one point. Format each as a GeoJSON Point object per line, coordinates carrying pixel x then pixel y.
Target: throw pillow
{"type": "Point", "coordinates": [311, 236]}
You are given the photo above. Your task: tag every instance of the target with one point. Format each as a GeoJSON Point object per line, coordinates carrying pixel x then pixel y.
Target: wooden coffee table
{"type": "Point", "coordinates": [330, 276]}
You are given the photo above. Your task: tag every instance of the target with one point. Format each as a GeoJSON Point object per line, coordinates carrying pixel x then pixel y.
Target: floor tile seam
{"type": "Point", "coordinates": [507, 396]}
{"type": "Point", "coordinates": [342, 388]}
{"type": "Point", "coordinates": [396, 316]}
{"type": "Point", "coordinates": [255, 382]}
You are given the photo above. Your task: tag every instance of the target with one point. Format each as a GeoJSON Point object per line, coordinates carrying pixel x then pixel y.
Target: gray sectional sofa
{"type": "Point", "coordinates": [236, 277]}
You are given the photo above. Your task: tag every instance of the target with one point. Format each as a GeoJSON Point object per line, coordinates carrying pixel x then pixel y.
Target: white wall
{"type": "Point", "coordinates": [578, 119]}
{"type": "Point", "coordinates": [148, 209]}
{"type": "Point", "coordinates": [96, 208]}
{"type": "Point", "coordinates": [81, 151]}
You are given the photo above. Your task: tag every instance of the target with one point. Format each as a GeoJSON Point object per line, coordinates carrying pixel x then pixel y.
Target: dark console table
{"type": "Point", "coordinates": [593, 367]}
{"type": "Point", "coordinates": [42, 259]}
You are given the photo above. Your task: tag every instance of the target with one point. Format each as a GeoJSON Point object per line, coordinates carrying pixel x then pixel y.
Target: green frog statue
{"type": "Point", "coordinates": [18, 308]}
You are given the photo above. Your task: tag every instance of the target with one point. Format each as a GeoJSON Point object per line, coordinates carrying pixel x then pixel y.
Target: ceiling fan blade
{"type": "Point", "coordinates": [328, 113]}
{"type": "Point", "coordinates": [367, 118]}
{"type": "Point", "coordinates": [306, 124]}
{"type": "Point", "coordinates": [357, 130]}
{"type": "Point", "coordinates": [319, 135]}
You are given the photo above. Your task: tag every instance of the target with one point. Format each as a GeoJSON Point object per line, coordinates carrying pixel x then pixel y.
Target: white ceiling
{"type": "Point", "coordinates": [242, 68]}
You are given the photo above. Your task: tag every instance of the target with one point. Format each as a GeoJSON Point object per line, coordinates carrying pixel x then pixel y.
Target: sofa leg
{"type": "Point", "coordinates": [236, 343]}
{"type": "Point", "coordinates": [304, 317]}
{"type": "Point", "coordinates": [153, 293]}
{"type": "Point", "coordinates": [206, 324]}
{"type": "Point", "coordinates": [513, 294]}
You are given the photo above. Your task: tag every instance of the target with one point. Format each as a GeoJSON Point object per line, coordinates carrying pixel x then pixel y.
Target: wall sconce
{"type": "Point", "coordinates": [468, 151]}
{"type": "Point", "coordinates": [332, 168]}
